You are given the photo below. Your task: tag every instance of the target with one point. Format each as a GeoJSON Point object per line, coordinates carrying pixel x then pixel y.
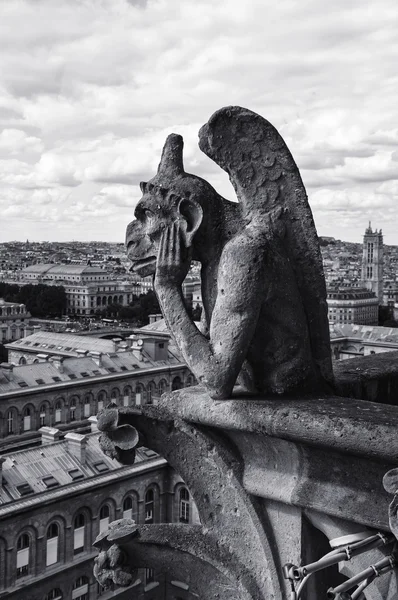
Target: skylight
{"type": "Point", "coordinates": [76, 474]}
{"type": "Point", "coordinates": [101, 467]}
{"type": "Point", "coordinates": [24, 489]}
{"type": "Point", "coordinates": [50, 481]}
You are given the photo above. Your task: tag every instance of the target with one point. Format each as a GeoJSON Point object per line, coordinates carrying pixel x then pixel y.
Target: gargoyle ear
{"type": "Point", "coordinates": [192, 213]}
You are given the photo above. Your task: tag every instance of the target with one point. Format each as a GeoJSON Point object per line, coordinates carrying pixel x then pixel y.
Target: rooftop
{"type": "Point", "coordinates": [62, 269]}
{"type": "Point", "coordinates": [56, 343]}
{"type": "Point", "coordinates": [371, 333]}
{"type": "Point", "coordinates": [36, 470]}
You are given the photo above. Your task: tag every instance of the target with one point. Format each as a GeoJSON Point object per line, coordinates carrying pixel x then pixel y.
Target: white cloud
{"type": "Point", "coordinates": [89, 91]}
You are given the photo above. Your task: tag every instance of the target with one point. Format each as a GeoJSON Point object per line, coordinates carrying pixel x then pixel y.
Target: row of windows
{"type": "Point", "coordinates": [81, 541]}
{"type": "Point", "coordinates": [83, 408]}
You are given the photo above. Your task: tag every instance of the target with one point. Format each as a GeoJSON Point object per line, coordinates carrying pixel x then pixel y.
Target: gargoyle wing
{"type": "Point", "coordinates": [266, 179]}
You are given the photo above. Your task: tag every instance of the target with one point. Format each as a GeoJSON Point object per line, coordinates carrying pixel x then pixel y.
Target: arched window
{"type": "Point", "coordinates": [87, 406]}
{"type": "Point", "coordinates": [138, 394]}
{"type": "Point", "coordinates": [10, 422]}
{"type": "Point", "coordinates": [149, 576]}
{"type": "Point", "coordinates": [52, 544]}
{"type": "Point", "coordinates": [58, 412]}
{"type": "Point", "coordinates": [130, 508]}
{"type": "Point", "coordinates": [151, 390]}
{"type": "Point", "coordinates": [78, 534]}
{"type": "Point", "coordinates": [80, 589]}
{"type": "Point", "coordinates": [27, 423]}
{"type": "Point", "coordinates": [184, 506]}
{"type": "Point", "coordinates": [42, 415]}
{"type": "Point", "coordinates": [73, 410]}
{"type": "Point", "coordinates": [101, 400]}
{"type": "Point", "coordinates": [104, 518]}
{"type": "Point", "coordinates": [176, 383]}
{"type": "Point", "coordinates": [55, 594]}
{"type": "Point", "coordinates": [149, 506]}
{"type": "Point", "coordinates": [22, 360]}
{"type": "Point", "coordinates": [114, 395]}
{"type": "Point", "coordinates": [23, 548]}
{"type": "Point", "coordinates": [127, 396]}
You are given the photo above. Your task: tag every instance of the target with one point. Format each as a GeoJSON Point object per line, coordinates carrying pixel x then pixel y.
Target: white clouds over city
{"type": "Point", "coordinates": [89, 90]}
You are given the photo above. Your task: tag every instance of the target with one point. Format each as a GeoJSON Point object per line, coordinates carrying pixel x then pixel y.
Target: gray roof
{"type": "Point", "coordinates": [61, 343]}
{"type": "Point", "coordinates": [32, 465]}
{"type": "Point", "coordinates": [62, 269]}
{"type": "Point", "coordinates": [40, 268]}
{"type": "Point", "coordinates": [369, 333]}
{"type": "Point", "coordinates": [76, 368]}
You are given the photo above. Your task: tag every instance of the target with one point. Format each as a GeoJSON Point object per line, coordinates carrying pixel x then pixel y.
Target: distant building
{"type": "Point", "coordinates": [372, 262]}
{"type": "Point", "coordinates": [350, 341]}
{"type": "Point", "coordinates": [56, 498]}
{"type": "Point", "coordinates": [14, 321]}
{"type": "Point", "coordinates": [88, 289]}
{"type": "Point", "coordinates": [352, 305]}
{"type": "Point", "coordinates": [61, 380]}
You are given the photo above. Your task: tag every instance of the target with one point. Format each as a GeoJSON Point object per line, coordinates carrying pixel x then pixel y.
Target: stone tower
{"type": "Point", "coordinates": [372, 262]}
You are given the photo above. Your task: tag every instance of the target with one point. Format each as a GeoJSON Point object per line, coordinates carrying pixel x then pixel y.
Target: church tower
{"type": "Point", "coordinates": [372, 262]}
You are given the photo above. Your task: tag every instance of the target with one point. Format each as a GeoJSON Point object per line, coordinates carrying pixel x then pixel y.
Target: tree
{"type": "Point", "coordinates": [40, 300]}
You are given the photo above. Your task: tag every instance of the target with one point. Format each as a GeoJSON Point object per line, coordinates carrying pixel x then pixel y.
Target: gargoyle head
{"type": "Point", "coordinates": [171, 195]}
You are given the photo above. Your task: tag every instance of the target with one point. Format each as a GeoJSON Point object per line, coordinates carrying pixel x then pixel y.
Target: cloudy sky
{"type": "Point", "coordinates": [89, 89]}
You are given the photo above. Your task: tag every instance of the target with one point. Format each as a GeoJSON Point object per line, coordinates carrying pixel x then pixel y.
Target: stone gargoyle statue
{"type": "Point", "coordinates": [265, 322]}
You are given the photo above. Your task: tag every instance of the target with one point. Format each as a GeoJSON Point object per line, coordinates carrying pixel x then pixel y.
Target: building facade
{"type": "Point", "coordinates": [55, 500]}
{"type": "Point", "coordinates": [352, 305]}
{"type": "Point", "coordinates": [14, 321]}
{"type": "Point", "coordinates": [88, 289]}
{"type": "Point", "coordinates": [372, 262]}
{"type": "Point", "coordinates": [61, 386]}
{"type": "Point", "coordinates": [351, 341]}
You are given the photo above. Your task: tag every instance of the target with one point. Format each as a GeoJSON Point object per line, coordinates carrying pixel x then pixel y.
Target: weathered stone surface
{"type": "Point", "coordinates": [188, 555]}
{"type": "Point", "coordinates": [254, 468]}
{"type": "Point", "coordinates": [230, 518]}
{"type": "Point", "coordinates": [373, 377]}
{"type": "Point", "coordinates": [343, 425]}
{"type": "Point", "coordinates": [263, 288]}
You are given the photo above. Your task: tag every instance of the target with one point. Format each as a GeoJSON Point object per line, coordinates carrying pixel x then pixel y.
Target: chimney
{"type": "Point", "coordinates": [81, 353]}
{"type": "Point", "coordinates": [93, 423]}
{"type": "Point", "coordinates": [156, 347]}
{"type": "Point", "coordinates": [155, 317]}
{"type": "Point", "coordinates": [116, 343]}
{"type": "Point", "coordinates": [123, 347]}
{"type": "Point", "coordinates": [49, 435]}
{"type": "Point", "coordinates": [130, 340]}
{"type": "Point", "coordinates": [136, 347]}
{"type": "Point", "coordinates": [42, 357]}
{"type": "Point", "coordinates": [58, 362]}
{"type": "Point", "coordinates": [77, 446]}
{"type": "Point", "coordinates": [97, 357]}
{"type": "Point", "coordinates": [7, 369]}
{"type": "Point", "coordinates": [36, 328]}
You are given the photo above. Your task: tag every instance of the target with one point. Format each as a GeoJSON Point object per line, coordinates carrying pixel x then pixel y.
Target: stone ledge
{"type": "Point", "coordinates": [344, 425]}
{"type": "Point", "coordinates": [373, 378]}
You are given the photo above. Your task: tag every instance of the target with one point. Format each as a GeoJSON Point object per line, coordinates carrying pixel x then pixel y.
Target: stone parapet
{"type": "Point", "coordinates": [275, 481]}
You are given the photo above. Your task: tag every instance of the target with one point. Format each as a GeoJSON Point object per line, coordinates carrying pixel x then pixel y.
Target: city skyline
{"type": "Point", "coordinates": [89, 92]}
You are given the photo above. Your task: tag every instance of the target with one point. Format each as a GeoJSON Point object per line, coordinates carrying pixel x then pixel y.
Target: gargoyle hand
{"type": "Point", "coordinates": [174, 259]}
